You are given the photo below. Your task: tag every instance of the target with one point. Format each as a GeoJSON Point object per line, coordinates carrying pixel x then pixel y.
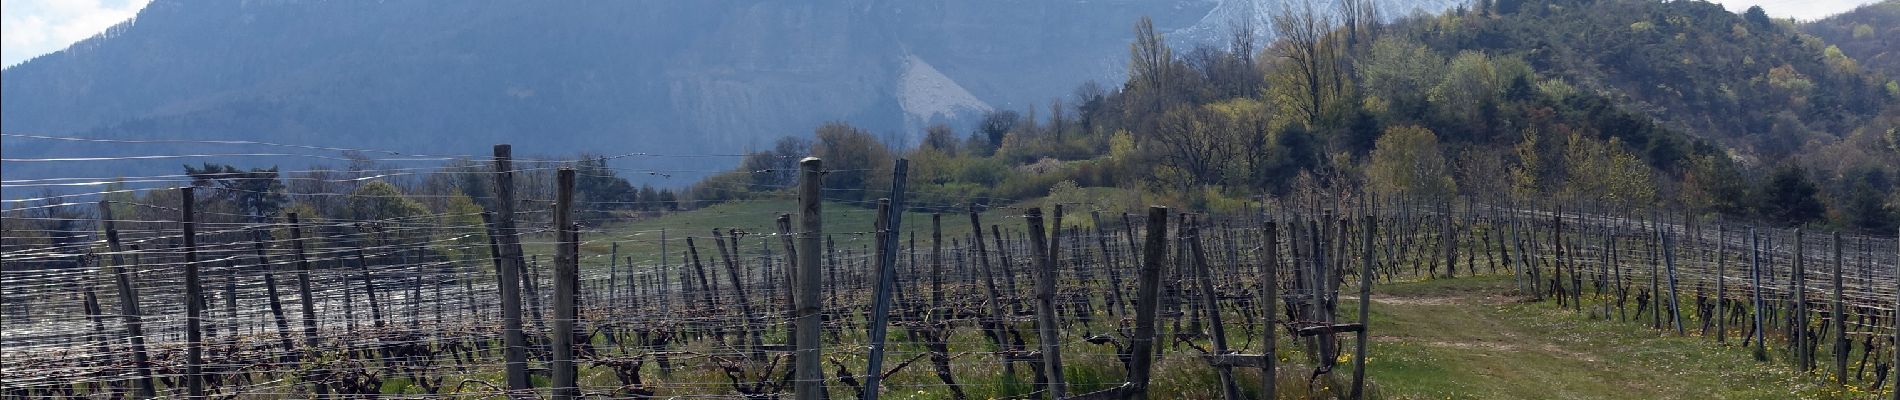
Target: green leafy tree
{"type": "Point", "coordinates": [939, 137]}
{"type": "Point", "coordinates": [601, 186]}
{"type": "Point", "coordinates": [1606, 172]}
{"type": "Point", "coordinates": [257, 192]}
{"type": "Point", "coordinates": [668, 200]}
{"type": "Point", "coordinates": [1755, 15]}
{"type": "Point", "coordinates": [855, 159]}
{"type": "Point", "coordinates": [1470, 84]}
{"type": "Point", "coordinates": [776, 168]}
{"type": "Point", "coordinates": [994, 126]}
{"type": "Point", "coordinates": [467, 244]}
{"type": "Point", "coordinates": [1527, 175]}
{"type": "Point", "coordinates": [378, 200]}
{"type": "Point", "coordinates": [1788, 198]}
{"type": "Point", "coordinates": [1399, 72]}
{"type": "Point", "coordinates": [1187, 140]}
{"type": "Point", "coordinates": [1407, 162]}
{"type": "Point", "coordinates": [1864, 205]}
{"type": "Point", "coordinates": [1712, 184]}
{"type": "Point", "coordinates": [649, 198]}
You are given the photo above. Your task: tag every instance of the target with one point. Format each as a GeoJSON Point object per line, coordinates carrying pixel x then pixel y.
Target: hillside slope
{"type": "Point", "coordinates": [624, 76]}
{"type": "Point", "coordinates": [1869, 34]}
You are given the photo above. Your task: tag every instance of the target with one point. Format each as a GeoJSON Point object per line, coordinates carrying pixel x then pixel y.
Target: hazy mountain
{"type": "Point", "coordinates": [669, 77]}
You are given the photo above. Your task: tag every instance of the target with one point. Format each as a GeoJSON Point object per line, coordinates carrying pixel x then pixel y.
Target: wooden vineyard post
{"type": "Point", "coordinates": [1365, 315]}
{"type": "Point", "coordinates": [1269, 308]}
{"type": "Point", "coordinates": [1119, 306]}
{"type": "Point", "coordinates": [891, 217]}
{"type": "Point", "coordinates": [1047, 335]}
{"type": "Point", "coordinates": [1896, 314]}
{"type": "Point", "coordinates": [733, 277]}
{"type": "Point", "coordinates": [128, 306]}
{"type": "Point", "coordinates": [194, 299]}
{"type": "Point", "coordinates": [666, 292]}
{"type": "Point", "coordinates": [1801, 306]}
{"type": "Point", "coordinates": [97, 315]}
{"type": "Point", "coordinates": [1655, 303]}
{"type": "Point", "coordinates": [1318, 284]}
{"type": "Point", "coordinates": [307, 303]}
{"type": "Point", "coordinates": [1142, 344]}
{"type": "Point", "coordinates": [1721, 284]}
{"type": "Point", "coordinates": [270, 290]}
{"type": "Point", "coordinates": [613, 274]}
{"type": "Point", "coordinates": [809, 380]}
{"type": "Point", "coordinates": [1229, 389]}
{"type": "Point", "coordinates": [1836, 317]}
{"type": "Point", "coordinates": [1669, 262]}
{"type": "Point", "coordinates": [566, 272]}
{"type": "Point", "coordinates": [514, 341]}
{"type": "Point", "coordinates": [996, 317]}
{"type": "Point", "coordinates": [936, 264]}
{"type": "Point", "coordinates": [1611, 280]}
{"type": "Point", "coordinates": [1564, 255]}
{"type": "Point", "coordinates": [790, 278]}
{"type": "Point", "coordinates": [1450, 241]}
{"type": "Point", "coordinates": [1754, 260]}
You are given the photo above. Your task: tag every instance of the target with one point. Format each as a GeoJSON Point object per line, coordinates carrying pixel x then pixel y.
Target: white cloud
{"type": "Point", "coordinates": [30, 28]}
{"type": "Point", "coordinates": [1805, 10]}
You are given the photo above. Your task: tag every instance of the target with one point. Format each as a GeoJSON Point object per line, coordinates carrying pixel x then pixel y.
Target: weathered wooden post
{"type": "Point", "coordinates": [613, 274]}
{"type": "Point", "coordinates": [1655, 304]}
{"type": "Point", "coordinates": [1896, 312]}
{"type": "Point", "coordinates": [194, 298]}
{"type": "Point", "coordinates": [270, 290]}
{"type": "Point", "coordinates": [514, 341]}
{"type": "Point", "coordinates": [1270, 308]}
{"type": "Point", "coordinates": [1047, 336]}
{"type": "Point", "coordinates": [566, 272]}
{"type": "Point", "coordinates": [128, 306]}
{"type": "Point", "coordinates": [1800, 299]}
{"type": "Point", "coordinates": [1211, 302]}
{"type": "Point", "coordinates": [1119, 306]}
{"type": "Point", "coordinates": [1146, 295]}
{"type": "Point", "coordinates": [307, 302]}
{"type": "Point", "coordinates": [735, 278]}
{"type": "Point", "coordinates": [1721, 284]}
{"type": "Point", "coordinates": [1754, 269]}
{"type": "Point", "coordinates": [666, 292]}
{"type": "Point", "coordinates": [995, 303]}
{"type": "Point", "coordinates": [1837, 317]}
{"type": "Point", "coordinates": [1669, 261]}
{"type": "Point", "coordinates": [1365, 316]}
{"type": "Point", "coordinates": [936, 264]}
{"type": "Point", "coordinates": [891, 220]}
{"type": "Point", "coordinates": [809, 380]}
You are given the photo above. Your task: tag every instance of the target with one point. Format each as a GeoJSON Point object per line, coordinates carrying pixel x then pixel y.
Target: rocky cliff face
{"type": "Point", "coordinates": [453, 76]}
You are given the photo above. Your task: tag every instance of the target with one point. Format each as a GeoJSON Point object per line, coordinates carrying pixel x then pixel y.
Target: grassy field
{"type": "Point", "coordinates": [849, 224]}
{"type": "Point", "coordinates": [1464, 338]}
{"type": "Point", "coordinates": [1471, 338]}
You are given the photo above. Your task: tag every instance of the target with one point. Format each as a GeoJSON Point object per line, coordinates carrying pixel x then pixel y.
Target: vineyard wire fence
{"type": "Point", "coordinates": [98, 289]}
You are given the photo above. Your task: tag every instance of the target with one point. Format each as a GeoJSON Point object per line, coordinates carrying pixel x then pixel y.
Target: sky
{"type": "Point", "coordinates": [29, 28]}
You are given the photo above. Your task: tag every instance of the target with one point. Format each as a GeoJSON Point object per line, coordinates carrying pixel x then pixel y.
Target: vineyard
{"type": "Point", "coordinates": [800, 297]}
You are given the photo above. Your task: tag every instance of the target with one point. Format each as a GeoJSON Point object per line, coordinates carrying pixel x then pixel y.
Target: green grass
{"type": "Point", "coordinates": [849, 225]}
{"type": "Point", "coordinates": [1469, 338]}
{"type": "Point", "coordinates": [1464, 338]}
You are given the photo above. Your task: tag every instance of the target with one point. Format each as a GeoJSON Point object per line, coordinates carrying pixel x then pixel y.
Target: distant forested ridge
{"type": "Point", "coordinates": [1609, 103]}
{"type": "Point", "coordinates": [664, 77]}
